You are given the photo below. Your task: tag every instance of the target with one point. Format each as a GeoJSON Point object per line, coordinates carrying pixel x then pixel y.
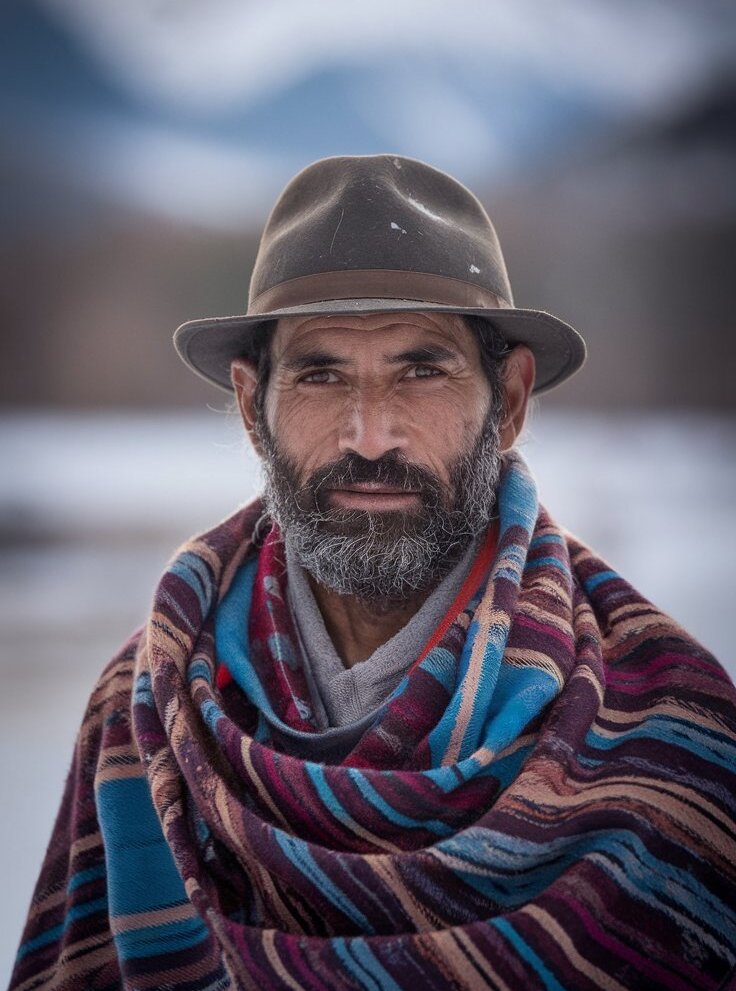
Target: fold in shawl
{"type": "Point", "coordinates": [545, 801]}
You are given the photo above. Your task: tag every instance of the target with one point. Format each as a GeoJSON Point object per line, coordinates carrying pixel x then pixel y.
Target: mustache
{"type": "Point", "coordinates": [392, 469]}
{"type": "Point", "coordinates": [387, 555]}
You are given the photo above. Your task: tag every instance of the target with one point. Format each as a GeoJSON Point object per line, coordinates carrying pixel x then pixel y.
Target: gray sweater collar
{"type": "Point", "coordinates": [345, 696]}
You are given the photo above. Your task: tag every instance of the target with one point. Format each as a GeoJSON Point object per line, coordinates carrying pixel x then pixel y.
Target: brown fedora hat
{"type": "Point", "coordinates": [379, 234]}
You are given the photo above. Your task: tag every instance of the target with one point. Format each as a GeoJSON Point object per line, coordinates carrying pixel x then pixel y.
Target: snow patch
{"type": "Point", "coordinates": [397, 163]}
{"type": "Point", "coordinates": [395, 227]}
{"type": "Point", "coordinates": [474, 269]}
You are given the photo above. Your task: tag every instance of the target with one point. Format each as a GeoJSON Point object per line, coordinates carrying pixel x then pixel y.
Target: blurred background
{"type": "Point", "coordinates": [143, 144]}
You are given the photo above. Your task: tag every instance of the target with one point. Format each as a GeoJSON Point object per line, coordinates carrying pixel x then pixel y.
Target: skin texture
{"type": "Point", "coordinates": [369, 384]}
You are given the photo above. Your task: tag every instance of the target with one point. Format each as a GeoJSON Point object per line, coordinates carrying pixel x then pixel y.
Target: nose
{"type": "Point", "coordinates": [369, 428]}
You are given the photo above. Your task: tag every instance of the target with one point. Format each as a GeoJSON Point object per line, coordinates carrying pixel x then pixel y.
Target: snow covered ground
{"type": "Point", "coordinates": [92, 506]}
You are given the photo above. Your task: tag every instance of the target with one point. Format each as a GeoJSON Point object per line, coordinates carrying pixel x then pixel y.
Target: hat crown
{"type": "Point", "coordinates": [379, 213]}
{"type": "Point", "coordinates": [379, 234]}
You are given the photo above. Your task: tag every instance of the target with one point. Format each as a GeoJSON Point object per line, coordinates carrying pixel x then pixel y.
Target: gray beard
{"type": "Point", "coordinates": [383, 557]}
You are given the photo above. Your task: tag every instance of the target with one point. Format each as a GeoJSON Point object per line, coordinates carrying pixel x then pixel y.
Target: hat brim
{"type": "Point", "coordinates": [209, 346]}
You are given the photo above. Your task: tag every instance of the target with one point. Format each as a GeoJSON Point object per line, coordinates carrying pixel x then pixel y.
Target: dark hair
{"type": "Point", "coordinates": [493, 350]}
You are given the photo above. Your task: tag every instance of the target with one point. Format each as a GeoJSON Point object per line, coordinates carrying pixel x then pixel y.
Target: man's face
{"type": "Point", "coordinates": [380, 444]}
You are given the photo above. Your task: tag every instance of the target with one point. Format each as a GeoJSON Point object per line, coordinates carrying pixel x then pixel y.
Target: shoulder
{"type": "Point", "coordinates": [110, 701]}
{"type": "Point", "coordinates": [646, 651]}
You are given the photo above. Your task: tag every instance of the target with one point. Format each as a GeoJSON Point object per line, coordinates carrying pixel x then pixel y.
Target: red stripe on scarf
{"type": "Point", "coordinates": [481, 567]}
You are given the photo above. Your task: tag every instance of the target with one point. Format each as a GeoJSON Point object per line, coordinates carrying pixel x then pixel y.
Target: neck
{"type": "Point", "coordinates": [357, 627]}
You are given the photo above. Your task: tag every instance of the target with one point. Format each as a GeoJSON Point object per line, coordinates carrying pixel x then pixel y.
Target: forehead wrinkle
{"type": "Point", "coordinates": [446, 324]}
{"type": "Point", "coordinates": [334, 339]}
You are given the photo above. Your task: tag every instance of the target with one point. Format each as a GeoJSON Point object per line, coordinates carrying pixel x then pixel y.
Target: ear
{"type": "Point", "coordinates": [518, 381]}
{"type": "Point", "coordinates": [244, 378]}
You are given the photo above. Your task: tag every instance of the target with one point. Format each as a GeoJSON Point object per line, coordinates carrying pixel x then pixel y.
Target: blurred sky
{"type": "Point", "coordinates": [202, 111]}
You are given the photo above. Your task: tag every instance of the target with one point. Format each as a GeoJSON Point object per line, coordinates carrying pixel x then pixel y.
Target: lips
{"type": "Point", "coordinates": [375, 488]}
{"type": "Point", "coordinates": [372, 495]}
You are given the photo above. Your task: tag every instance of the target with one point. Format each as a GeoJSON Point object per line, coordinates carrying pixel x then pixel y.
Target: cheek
{"type": "Point", "coordinates": [441, 431]}
{"type": "Point", "coordinates": [440, 446]}
{"type": "Point", "coordinates": [451, 414]}
{"type": "Point", "coordinates": [304, 430]}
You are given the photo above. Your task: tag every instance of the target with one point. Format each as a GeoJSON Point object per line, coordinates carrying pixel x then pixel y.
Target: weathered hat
{"type": "Point", "coordinates": [379, 234]}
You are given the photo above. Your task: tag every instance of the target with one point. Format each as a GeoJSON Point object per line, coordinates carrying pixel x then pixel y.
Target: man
{"type": "Point", "coordinates": [391, 727]}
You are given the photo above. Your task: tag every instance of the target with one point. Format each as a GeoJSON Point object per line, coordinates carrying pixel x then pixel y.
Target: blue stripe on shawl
{"type": "Point", "coordinates": [511, 564]}
{"type": "Point", "coordinates": [82, 877]}
{"type": "Point", "coordinates": [167, 937]}
{"type": "Point", "coordinates": [142, 690]}
{"type": "Point", "coordinates": [504, 768]}
{"type": "Point", "coordinates": [518, 506]}
{"type": "Point", "coordinates": [527, 953]}
{"type": "Point", "coordinates": [546, 538]}
{"type": "Point", "coordinates": [671, 891]}
{"type": "Point", "coordinates": [211, 713]}
{"type": "Point", "coordinates": [360, 960]}
{"type": "Point", "coordinates": [231, 638]}
{"type": "Point", "coordinates": [194, 571]}
{"type": "Point", "coordinates": [517, 502]}
{"type": "Point", "coordinates": [440, 736]}
{"type": "Point", "coordinates": [297, 852]}
{"type": "Point", "coordinates": [595, 580]}
{"type": "Point", "coordinates": [371, 795]}
{"type": "Point", "coordinates": [72, 914]}
{"type": "Point", "coordinates": [519, 694]}
{"type": "Point", "coordinates": [141, 874]}
{"type": "Point", "coordinates": [527, 689]}
{"type": "Point", "coordinates": [440, 663]}
{"type": "Point", "coordinates": [326, 795]}
{"type": "Point", "coordinates": [511, 871]}
{"type": "Point", "coordinates": [199, 669]}
{"type": "Point", "coordinates": [709, 746]}
{"type": "Point", "coordinates": [262, 732]}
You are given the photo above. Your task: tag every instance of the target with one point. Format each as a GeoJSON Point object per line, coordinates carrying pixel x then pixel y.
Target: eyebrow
{"type": "Point", "coordinates": [413, 356]}
{"type": "Point", "coordinates": [313, 359]}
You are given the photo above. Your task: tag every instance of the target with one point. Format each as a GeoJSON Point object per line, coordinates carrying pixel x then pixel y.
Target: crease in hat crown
{"type": "Point", "coordinates": [379, 233]}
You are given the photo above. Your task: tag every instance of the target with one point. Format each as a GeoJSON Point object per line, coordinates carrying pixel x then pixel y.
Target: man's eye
{"type": "Point", "coordinates": [424, 372]}
{"type": "Point", "coordinates": [320, 377]}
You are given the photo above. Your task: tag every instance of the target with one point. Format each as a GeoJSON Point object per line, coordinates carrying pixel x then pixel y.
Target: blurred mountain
{"type": "Point", "coordinates": [73, 114]}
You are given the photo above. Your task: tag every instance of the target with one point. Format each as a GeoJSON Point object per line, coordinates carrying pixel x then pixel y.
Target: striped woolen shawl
{"type": "Point", "coordinates": [546, 801]}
